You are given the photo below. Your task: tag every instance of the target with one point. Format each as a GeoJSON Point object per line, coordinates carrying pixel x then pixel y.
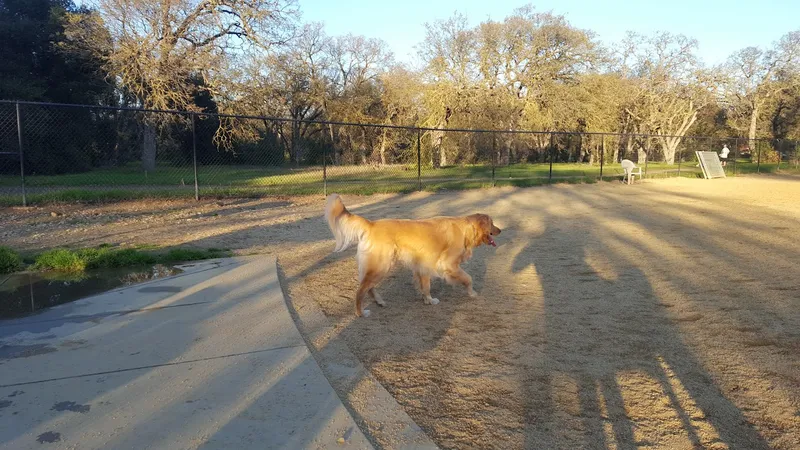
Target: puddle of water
{"type": "Point", "coordinates": [27, 293]}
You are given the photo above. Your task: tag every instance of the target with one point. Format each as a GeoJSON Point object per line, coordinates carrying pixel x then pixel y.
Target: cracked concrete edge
{"type": "Point", "coordinates": [375, 410]}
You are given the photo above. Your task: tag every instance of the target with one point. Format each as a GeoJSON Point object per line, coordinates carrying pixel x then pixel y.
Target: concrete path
{"type": "Point", "coordinates": [207, 359]}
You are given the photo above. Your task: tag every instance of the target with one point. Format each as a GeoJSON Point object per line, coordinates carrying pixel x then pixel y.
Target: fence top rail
{"type": "Point", "coordinates": [374, 125]}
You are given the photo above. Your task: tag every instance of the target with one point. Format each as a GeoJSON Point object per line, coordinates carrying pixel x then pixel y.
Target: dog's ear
{"type": "Point", "coordinates": [481, 221]}
{"type": "Point", "coordinates": [486, 223]}
{"type": "Point", "coordinates": [479, 229]}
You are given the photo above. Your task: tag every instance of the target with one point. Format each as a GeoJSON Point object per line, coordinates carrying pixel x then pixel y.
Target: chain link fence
{"type": "Point", "coordinates": [52, 152]}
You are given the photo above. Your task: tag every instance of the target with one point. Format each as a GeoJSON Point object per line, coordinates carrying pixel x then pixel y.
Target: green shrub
{"type": "Point", "coordinates": [106, 257]}
{"type": "Point", "coordinates": [190, 254]}
{"type": "Point", "coordinates": [10, 260]}
{"type": "Point", "coordinates": [60, 260]}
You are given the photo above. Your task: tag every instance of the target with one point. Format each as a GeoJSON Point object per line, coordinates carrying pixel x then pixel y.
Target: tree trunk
{"type": "Point", "coordinates": [541, 147]}
{"type": "Point", "coordinates": [442, 153]}
{"type": "Point", "coordinates": [628, 147]}
{"type": "Point", "coordinates": [670, 147]}
{"type": "Point", "coordinates": [149, 147]}
{"type": "Point", "coordinates": [437, 136]}
{"type": "Point", "coordinates": [383, 148]}
{"type": "Point", "coordinates": [751, 135]}
{"type": "Point", "coordinates": [642, 155]}
{"type": "Point", "coordinates": [584, 151]}
{"type": "Point", "coordinates": [351, 150]}
{"type": "Point", "coordinates": [670, 144]}
{"type": "Point", "coordinates": [438, 139]}
{"type": "Point", "coordinates": [362, 147]}
{"type": "Point", "coordinates": [796, 155]}
{"type": "Point", "coordinates": [333, 145]}
{"type": "Point", "coordinates": [507, 155]}
{"type": "Point", "coordinates": [615, 151]}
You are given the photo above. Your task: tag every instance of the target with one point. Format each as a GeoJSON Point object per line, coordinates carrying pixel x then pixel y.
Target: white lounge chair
{"type": "Point", "coordinates": [631, 171]}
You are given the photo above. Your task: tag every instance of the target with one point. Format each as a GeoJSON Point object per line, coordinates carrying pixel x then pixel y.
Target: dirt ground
{"type": "Point", "coordinates": [660, 315]}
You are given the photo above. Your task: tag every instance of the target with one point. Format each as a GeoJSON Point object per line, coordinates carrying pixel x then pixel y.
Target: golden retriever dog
{"type": "Point", "coordinates": [433, 247]}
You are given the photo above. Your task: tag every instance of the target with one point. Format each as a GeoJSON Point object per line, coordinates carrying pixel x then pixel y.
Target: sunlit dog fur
{"type": "Point", "coordinates": [433, 247]}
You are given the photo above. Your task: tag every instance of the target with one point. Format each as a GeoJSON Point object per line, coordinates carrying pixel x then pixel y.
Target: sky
{"type": "Point", "coordinates": [720, 27]}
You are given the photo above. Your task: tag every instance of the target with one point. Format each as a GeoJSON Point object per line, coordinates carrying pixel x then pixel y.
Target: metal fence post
{"type": "Point", "coordinates": [419, 160]}
{"type": "Point", "coordinates": [494, 153]}
{"type": "Point", "coordinates": [758, 157]}
{"type": "Point", "coordinates": [735, 154]}
{"type": "Point", "coordinates": [194, 157]}
{"type": "Point", "coordinates": [680, 158]}
{"type": "Point", "coordinates": [550, 177]}
{"type": "Point", "coordinates": [602, 155]}
{"type": "Point", "coordinates": [567, 147]}
{"type": "Point", "coordinates": [293, 144]}
{"type": "Point", "coordinates": [325, 170]}
{"type": "Point", "coordinates": [21, 156]}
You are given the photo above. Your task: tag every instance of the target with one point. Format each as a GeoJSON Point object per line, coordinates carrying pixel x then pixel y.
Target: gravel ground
{"type": "Point", "coordinates": [664, 314]}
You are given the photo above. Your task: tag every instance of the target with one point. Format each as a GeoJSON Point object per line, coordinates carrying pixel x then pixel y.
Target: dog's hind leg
{"type": "Point", "coordinates": [365, 287]}
{"type": "Point", "coordinates": [424, 284]}
{"type": "Point", "coordinates": [371, 270]}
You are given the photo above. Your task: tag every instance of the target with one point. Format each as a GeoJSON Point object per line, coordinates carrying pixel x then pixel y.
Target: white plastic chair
{"type": "Point", "coordinates": [631, 171]}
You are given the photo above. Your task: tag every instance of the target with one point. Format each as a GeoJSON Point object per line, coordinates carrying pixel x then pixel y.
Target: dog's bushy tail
{"type": "Point", "coordinates": [346, 227]}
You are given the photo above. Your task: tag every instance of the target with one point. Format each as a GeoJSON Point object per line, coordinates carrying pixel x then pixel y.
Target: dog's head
{"type": "Point", "coordinates": [484, 229]}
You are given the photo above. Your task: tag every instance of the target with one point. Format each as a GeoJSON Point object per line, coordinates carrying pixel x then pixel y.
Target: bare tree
{"type": "Point", "coordinates": [670, 88]}
{"type": "Point", "coordinates": [160, 45]}
{"type": "Point", "coordinates": [357, 66]}
{"type": "Point", "coordinates": [503, 75]}
{"type": "Point", "coordinates": [451, 72]}
{"type": "Point", "coordinates": [293, 82]}
{"type": "Point", "coordinates": [401, 100]}
{"type": "Point", "coordinates": [755, 77]}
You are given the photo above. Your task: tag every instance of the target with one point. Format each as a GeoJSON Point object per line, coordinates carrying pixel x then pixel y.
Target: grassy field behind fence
{"type": "Point", "coordinates": [130, 182]}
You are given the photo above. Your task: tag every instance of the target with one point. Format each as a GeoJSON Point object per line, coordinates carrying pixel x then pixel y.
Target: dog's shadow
{"type": "Point", "coordinates": [421, 326]}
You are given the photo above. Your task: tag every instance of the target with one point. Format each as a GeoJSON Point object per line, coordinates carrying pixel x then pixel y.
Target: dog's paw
{"type": "Point", "coordinates": [365, 313]}
{"type": "Point", "coordinates": [379, 301]}
{"type": "Point", "coordinates": [472, 293]}
{"type": "Point", "coordinates": [434, 301]}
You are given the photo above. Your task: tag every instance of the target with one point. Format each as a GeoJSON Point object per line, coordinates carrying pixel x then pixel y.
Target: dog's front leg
{"type": "Point", "coordinates": [377, 297]}
{"type": "Point", "coordinates": [424, 284]}
{"type": "Point", "coordinates": [458, 275]}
